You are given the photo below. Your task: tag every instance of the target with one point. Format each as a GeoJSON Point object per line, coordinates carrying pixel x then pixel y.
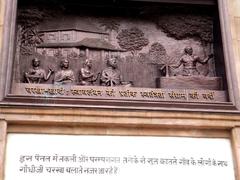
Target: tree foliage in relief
{"type": "Point", "coordinates": [157, 53]}
{"type": "Point", "coordinates": [28, 37]}
{"type": "Point", "coordinates": [28, 18]}
{"type": "Point", "coordinates": [185, 26]}
{"type": "Point", "coordinates": [132, 40]}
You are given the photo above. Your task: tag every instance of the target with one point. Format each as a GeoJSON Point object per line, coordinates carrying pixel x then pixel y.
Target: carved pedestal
{"type": "Point", "coordinates": [190, 82]}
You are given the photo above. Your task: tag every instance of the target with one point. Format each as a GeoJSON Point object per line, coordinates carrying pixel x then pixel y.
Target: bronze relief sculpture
{"type": "Point", "coordinates": [111, 76]}
{"type": "Point", "coordinates": [118, 51]}
{"type": "Point", "coordinates": [64, 76]}
{"type": "Point", "coordinates": [86, 76]}
{"type": "Point", "coordinates": [36, 74]}
{"type": "Point", "coordinates": [189, 62]}
{"type": "Point", "coordinates": [189, 76]}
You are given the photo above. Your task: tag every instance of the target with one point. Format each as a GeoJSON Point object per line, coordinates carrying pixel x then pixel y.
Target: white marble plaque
{"type": "Point", "coordinates": [76, 157]}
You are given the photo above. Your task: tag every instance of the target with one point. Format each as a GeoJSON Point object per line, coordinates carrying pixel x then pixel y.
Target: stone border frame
{"type": "Point", "coordinates": [6, 66]}
{"type": "Point", "coordinates": [119, 130]}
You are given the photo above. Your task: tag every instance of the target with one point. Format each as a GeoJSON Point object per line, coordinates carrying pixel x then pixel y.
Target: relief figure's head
{"type": "Point", "coordinates": [35, 62]}
{"type": "Point", "coordinates": [88, 63]}
{"type": "Point", "coordinates": [64, 64]}
{"type": "Point", "coordinates": [112, 62]}
{"type": "Point", "coordinates": [188, 50]}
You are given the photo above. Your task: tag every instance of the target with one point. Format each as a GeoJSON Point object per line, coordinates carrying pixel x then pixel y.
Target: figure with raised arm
{"type": "Point", "coordinates": [36, 74]}
{"type": "Point", "coordinates": [189, 62]}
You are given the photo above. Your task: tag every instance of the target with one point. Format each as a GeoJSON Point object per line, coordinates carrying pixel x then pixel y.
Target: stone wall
{"type": "Point", "coordinates": [234, 14]}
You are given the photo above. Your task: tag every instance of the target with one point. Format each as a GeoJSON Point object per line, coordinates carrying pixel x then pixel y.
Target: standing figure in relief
{"type": "Point", "coordinates": [36, 74]}
{"type": "Point", "coordinates": [86, 76]}
{"type": "Point", "coordinates": [189, 62]}
{"type": "Point", "coordinates": [65, 75]}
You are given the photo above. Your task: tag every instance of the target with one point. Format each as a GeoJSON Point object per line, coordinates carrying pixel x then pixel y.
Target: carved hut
{"type": "Point", "coordinates": [71, 35]}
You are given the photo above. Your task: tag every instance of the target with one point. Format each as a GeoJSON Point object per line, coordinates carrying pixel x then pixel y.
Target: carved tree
{"type": "Point", "coordinates": [28, 37]}
{"type": "Point", "coordinates": [109, 25]}
{"type": "Point", "coordinates": [158, 56]}
{"type": "Point", "coordinates": [157, 53]}
{"type": "Point", "coordinates": [132, 40]}
{"type": "Point", "coordinates": [199, 27]}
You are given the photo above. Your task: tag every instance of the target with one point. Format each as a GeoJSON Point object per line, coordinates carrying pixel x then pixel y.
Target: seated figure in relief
{"type": "Point", "coordinates": [111, 76]}
{"type": "Point", "coordinates": [65, 75]}
{"type": "Point", "coordinates": [36, 74]}
{"type": "Point", "coordinates": [86, 76]}
{"type": "Point", "coordinates": [189, 62]}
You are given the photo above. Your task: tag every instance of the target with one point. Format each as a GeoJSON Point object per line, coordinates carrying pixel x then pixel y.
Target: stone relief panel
{"type": "Point", "coordinates": [71, 48]}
